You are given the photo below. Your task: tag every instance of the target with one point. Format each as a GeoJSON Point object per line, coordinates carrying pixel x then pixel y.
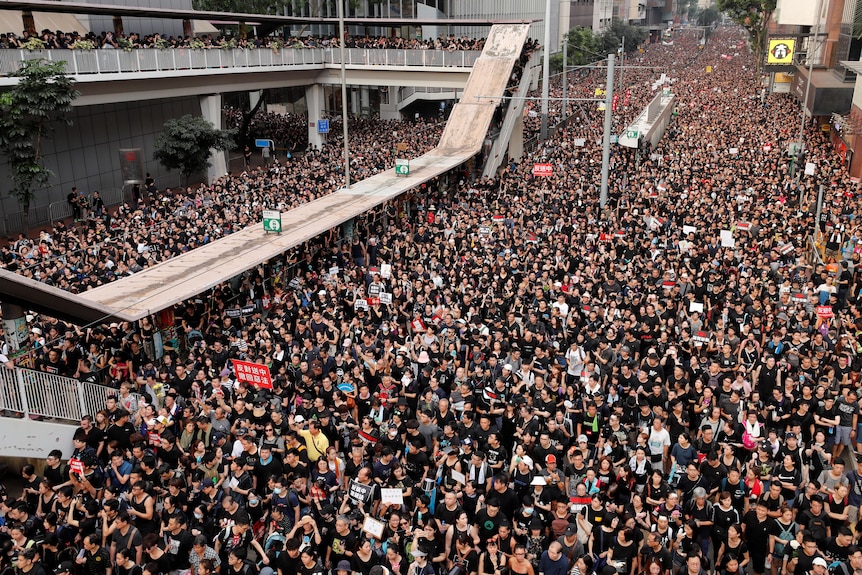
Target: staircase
{"type": "Point", "coordinates": [41, 411]}
{"type": "Point", "coordinates": [409, 94]}
{"type": "Point", "coordinates": [514, 111]}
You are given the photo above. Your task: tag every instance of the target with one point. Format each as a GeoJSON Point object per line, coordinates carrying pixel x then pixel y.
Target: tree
{"type": "Point", "coordinates": [28, 111]}
{"type": "Point", "coordinates": [242, 135]}
{"type": "Point", "coordinates": [609, 41]}
{"type": "Point", "coordinates": [186, 143]}
{"type": "Point", "coordinates": [754, 16]}
{"type": "Point", "coordinates": [582, 47]}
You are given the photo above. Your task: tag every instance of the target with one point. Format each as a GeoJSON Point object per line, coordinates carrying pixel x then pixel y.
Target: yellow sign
{"type": "Point", "coordinates": [825, 128]}
{"type": "Point", "coordinates": [709, 69]}
{"type": "Point", "coordinates": [599, 92]}
{"type": "Point", "coordinates": [780, 51]}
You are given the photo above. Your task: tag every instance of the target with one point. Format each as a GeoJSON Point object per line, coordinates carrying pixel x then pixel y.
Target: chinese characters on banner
{"type": "Point", "coordinates": [254, 373]}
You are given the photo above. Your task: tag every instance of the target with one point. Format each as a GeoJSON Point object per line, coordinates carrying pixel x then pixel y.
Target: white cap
{"type": "Point", "coordinates": [508, 366]}
{"type": "Point", "coordinates": [299, 419]}
{"type": "Point", "coordinates": [528, 461]}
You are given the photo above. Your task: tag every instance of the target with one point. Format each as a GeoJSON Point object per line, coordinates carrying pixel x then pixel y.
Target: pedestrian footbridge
{"type": "Point", "coordinates": [192, 273]}
{"type": "Point", "coordinates": [106, 76]}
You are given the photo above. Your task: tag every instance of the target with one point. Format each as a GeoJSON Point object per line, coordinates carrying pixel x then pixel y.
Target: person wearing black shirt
{"type": "Point", "coordinates": [489, 519]}
{"type": "Point", "coordinates": [289, 561]}
{"type": "Point", "coordinates": [95, 560]}
{"type": "Point", "coordinates": [121, 431]}
{"type": "Point", "coordinates": [756, 526]}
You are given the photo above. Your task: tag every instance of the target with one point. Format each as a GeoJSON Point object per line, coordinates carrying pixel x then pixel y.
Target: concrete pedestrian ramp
{"type": "Point", "coordinates": [187, 275]}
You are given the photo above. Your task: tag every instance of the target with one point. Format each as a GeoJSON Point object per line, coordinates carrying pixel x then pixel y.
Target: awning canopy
{"type": "Point", "coordinates": [11, 21]}
{"type": "Point", "coordinates": [200, 27]}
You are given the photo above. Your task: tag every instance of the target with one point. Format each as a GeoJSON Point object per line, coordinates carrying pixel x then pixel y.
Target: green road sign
{"type": "Point", "coordinates": [272, 221]}
{"type": "Point", "coordinates": [402, 167]}
{"type": "Point", "coordinates": [632, 134]}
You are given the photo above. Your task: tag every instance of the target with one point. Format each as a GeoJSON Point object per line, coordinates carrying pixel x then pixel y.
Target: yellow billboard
{"type": "Point", "coordinates": [780, 52]}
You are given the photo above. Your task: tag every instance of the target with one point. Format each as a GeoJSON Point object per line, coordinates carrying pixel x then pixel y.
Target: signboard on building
{"type": "Point", "coordinates": [132, 166]}
{"type": "Point", "coordinates": [323, 126]}
{"type": "Point", "coordinates": [780, 51]}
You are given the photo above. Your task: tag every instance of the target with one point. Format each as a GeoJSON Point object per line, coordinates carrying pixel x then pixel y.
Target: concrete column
{"type": "Point", "coordinates": [365, 100]}
{"type": "Point", "coordinates": [316, 103]}
{"type": "Point", "coordinates": [516, 140]}
{"type": "Point", "coordinates": [354, 102]}
{"type": "Point", "coordinates": [211, 111]}
{"type": "Point", "coordinates": [254, 98]}
{"type": "Point", "coordinates": [15, 325]}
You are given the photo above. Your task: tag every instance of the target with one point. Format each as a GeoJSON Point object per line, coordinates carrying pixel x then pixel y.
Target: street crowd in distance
{"type": "Point", "coordinates": [664, 385]}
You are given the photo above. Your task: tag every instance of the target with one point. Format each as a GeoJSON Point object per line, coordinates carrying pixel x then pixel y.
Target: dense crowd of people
{"type": "Point", "coordinates": [495, 376]}
{"type": "Point", "coordinates": [109, 40]}
{"type": "Point", "coordinates": [104, 245]}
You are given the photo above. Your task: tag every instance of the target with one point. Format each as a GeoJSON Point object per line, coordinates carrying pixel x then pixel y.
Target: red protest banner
{"type": "Point", "coordinates": [543, 169]}
{"type": "Point", "coordinates": [254, 373]}
{"type": "Point", "coordinates": [825, 311]}
{"type": "Point", "coordinates": [76, 466]}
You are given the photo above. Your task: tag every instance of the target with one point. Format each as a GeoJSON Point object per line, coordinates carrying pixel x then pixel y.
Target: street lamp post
{"type": "Point", "coordinates": [606, 139]}
{"type": "Point", "coordinates": [546, 74]}
{"type": "Point", "coordinates": [565, 75]}
{"type": "Point", "coordinates": [804, 110]}
{"type": "Point", "coordinates": [340, 4]}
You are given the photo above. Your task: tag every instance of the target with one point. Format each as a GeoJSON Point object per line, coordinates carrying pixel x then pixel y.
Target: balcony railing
{"type": "Point", "coordinates": [31, 393]}
{"type": "Point", "coordinates": [81, 62]}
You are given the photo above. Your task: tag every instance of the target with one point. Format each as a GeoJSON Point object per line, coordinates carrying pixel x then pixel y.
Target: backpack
{"type": "Point", "coordinates": [788, 533]}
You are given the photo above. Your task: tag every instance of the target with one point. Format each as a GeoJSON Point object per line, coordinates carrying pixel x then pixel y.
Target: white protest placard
{"type": "Point", "coordinates": [373, 527]}
{"type": "Point", "coordinates": [727, 240]}
{"type": "Point", "coordinates": [333, 271]}
{"type": "Point", "coordinates": [809, 168]}
{"type": "Point", "coordinates": [689, 230]}
{"type": "Point", "coordinates": [459, 477]}
{"type": "Point", "coordinates": [695, 306]}
{"type": "Point", "coordinates": [386, 271]}
{"type": "Point", "coordinates": [580, 142]}
{"type": "Point", "coordinates": [391, 497]}
{"type": "Point", "coordinates": [385, 298]}
{"type": "Point", "coordinates": [360, 304]}
{"type": "Point", "coordinates": [733, 151]}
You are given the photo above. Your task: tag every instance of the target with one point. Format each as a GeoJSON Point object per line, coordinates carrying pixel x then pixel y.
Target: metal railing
{"type": "Point", "coordinates": [38, 394]}
{"type": "Point", "coordinates": [86, 62]}
{"type": "Point", "coordinates": [40, 215]}
{"type": "Point", "coordinates": [408, 58]}
{"type": "Point", "coordinates": [514, 110]}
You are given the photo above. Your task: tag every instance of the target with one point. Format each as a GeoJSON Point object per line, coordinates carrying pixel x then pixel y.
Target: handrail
{"type": "Point", "coordinates": [38, 394]}
{"type": "Point", "coordinates": [515, 109]}
{"type": "Point", "coordinates": [88, 62]}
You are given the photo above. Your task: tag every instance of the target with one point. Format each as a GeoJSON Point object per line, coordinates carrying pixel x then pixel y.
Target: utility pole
{"type": "Point", "coordinates": [606, 140]}
{"type": "Point", "coordinates": [565, 76]}
{"type": "Point", "coordinates": [546, 74]}
{"type": "Point", "coordinates": [340, 4]}
{"type": "Point", "coordinates": [802, 113]}
{"type": "Point", "coordinates": [622, 62]}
